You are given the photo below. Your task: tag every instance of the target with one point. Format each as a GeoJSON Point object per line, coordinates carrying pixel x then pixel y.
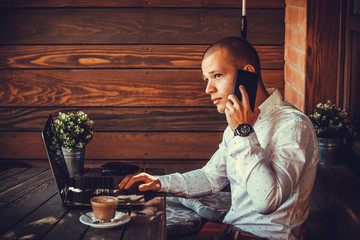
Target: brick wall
{"type": "Point", "coordinates": [295, 50]}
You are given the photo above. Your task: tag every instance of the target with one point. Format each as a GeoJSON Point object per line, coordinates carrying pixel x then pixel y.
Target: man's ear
{"type": "Point", "coordinates": [249, 68]}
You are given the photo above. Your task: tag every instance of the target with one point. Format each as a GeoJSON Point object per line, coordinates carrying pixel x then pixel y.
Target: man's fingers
{"type": "Point", "coordinates": [134, 179]}
{"type": "Point", "coordinates": [125, 181]}
{"type": "Point", "coordinates": [234, 100]}
{"type": "Point", "coordinates": [229, 105]}
{"type": "Point", "coordinates": [245, 96]}
{"type": "Point", "coordinates": [129, 180]}
{"type": "Point", "coordinates": [151, 182]}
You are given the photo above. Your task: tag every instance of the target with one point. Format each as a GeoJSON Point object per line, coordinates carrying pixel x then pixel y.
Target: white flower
{"type": "Point", "coordinates": [74, 130]}
{"type": "Point", "coordinates": [329, 120]}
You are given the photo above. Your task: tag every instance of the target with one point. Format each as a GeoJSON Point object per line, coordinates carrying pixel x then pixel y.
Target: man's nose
{"type": "Point", "coordinates": [210, 88]}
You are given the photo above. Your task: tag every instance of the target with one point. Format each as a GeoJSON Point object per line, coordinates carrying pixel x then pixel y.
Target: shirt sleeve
{"type": "Point", "coordinates": [270, 181]}
{"type": "Point", "coordinates": [189, 184]}
{"type": "Point", "coordinates": [207, 180]}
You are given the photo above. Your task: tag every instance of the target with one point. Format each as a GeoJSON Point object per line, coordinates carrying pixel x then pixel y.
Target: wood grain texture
{"type": "Point", "coordinates": [24, 205]}
{"type": "Point", "coordinates": [167, 88]}
{"type": "Point", "coordinates": [142, 3]}
{"type": "Point", "coordinates": [103, 88]}
{"type": "Point", "coordinates": [40, 221]}
{"type": "Point", "coordinates": [116, 233]}
{"type": "Point", "coordinates": [120, 119]}
{"type": "Point", "coordinates": [13, 181]}
{"type": "Point", "coordinates": [322, 52]}
{"type": "Point", "coordinates": [68, 226]}
{"type": "Point", "coordinates": [10, 194]}
{"type": "Point", "coordinates": [120, 145]}
{"type": "Point", "coordinates": [137, 26]}
{"type": "Point", "coordinates": [120, 56]}
{"type": "Point", "coordinates": [11, 171]}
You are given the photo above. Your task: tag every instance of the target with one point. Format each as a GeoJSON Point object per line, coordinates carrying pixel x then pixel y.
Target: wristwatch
{"type": "Point", "coordinates": [243, 130]}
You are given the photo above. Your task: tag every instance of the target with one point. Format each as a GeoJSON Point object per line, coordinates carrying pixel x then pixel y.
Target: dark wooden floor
{"type": "Point", "coordinates": [335, 205]}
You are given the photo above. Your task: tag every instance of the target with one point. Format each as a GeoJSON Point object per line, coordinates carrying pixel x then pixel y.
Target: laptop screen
{"type": "Point", "coordinates": [56, 158]}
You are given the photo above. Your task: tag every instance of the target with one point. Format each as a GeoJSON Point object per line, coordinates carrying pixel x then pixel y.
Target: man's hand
{"type": "Point", "coordinates": [151, 182]}
{"type": "Point", "coordinates": [240, 112]}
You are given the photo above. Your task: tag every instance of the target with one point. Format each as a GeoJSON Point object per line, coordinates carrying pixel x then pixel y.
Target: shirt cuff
{"type": "Point", "coordinates": [165, 183]}
{"type": "Point", "coordinates": [239, 142]}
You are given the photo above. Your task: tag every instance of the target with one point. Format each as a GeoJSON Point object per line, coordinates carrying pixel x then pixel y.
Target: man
{"type": "Point", "coordinates": [268, 156]}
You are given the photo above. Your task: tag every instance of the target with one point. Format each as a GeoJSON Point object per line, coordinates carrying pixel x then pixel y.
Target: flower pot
{"type": "Point", "coordinates": [330, 150]}
{"type": "Point", "coordinates": [74, 160]}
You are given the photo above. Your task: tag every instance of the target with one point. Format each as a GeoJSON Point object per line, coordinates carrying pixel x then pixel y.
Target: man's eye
{"type": "Point", "coordinates": [217, 76]}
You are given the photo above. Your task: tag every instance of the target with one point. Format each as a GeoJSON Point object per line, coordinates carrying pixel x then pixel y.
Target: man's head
{"type": "Point", "coordinates": [219, 64]}
{"type": "Point", "coordinates": [240, 51]}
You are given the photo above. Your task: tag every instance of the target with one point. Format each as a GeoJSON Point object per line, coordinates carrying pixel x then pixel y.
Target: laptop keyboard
{"type": "Point", "coordinates": [98, 186]}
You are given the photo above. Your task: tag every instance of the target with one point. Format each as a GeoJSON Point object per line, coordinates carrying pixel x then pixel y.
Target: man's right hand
{"type": "Point", "coordinates": [151, 182]}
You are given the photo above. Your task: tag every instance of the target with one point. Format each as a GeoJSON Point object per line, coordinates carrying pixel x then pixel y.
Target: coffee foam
{"type": "Point", "coordinates": [104, 200]}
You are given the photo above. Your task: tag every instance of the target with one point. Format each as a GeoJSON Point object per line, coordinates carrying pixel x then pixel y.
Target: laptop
{"type": "Point", "coordinates": [77, 192]}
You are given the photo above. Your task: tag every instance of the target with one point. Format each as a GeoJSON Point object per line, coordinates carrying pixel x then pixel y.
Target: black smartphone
{"type": "Point", "coordinates": [250, 81]}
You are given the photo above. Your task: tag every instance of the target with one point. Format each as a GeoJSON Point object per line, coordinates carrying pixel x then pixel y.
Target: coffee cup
{"type": "Point", "coordinates": [104, 207]}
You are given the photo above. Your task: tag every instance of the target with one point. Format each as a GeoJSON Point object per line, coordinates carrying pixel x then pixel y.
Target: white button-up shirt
{"type": "Point", "coordinates": [271, 172]}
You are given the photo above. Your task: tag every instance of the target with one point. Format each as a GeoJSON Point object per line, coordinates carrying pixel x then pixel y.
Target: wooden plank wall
{"type": "Point", "coordinates": [133, 66]}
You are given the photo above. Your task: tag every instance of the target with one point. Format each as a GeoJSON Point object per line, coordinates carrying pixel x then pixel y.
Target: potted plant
{"type": "Point", "coordinates": [74, 132]}
{"type": "Point", "coordinates": [331, 125]}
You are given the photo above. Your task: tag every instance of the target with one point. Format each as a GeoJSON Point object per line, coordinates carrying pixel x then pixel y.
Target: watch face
{"type": "Point", "coordinates": [243, 130]}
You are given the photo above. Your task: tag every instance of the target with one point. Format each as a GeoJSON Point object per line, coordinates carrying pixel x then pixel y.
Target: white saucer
{"type": "Point", "coordinates": [123, 218]}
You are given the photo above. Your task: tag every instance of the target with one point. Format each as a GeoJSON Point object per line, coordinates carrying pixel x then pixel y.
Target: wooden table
{"type": "Point", "coordinates": [30, 208]}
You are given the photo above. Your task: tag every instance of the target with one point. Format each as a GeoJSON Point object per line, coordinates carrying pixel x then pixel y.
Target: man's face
{"type": "Point", "coordinates": [219, 73]}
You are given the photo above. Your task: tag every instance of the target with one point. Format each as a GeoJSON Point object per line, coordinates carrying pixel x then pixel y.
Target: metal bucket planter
{"type": "Point", "coordinates": [330, 150]}
{"type": "Point", "coordinates": [74, 161]}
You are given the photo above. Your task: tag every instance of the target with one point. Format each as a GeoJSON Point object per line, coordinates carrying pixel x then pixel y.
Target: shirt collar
{"type": "Point", "coordinates": [271, 102]}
